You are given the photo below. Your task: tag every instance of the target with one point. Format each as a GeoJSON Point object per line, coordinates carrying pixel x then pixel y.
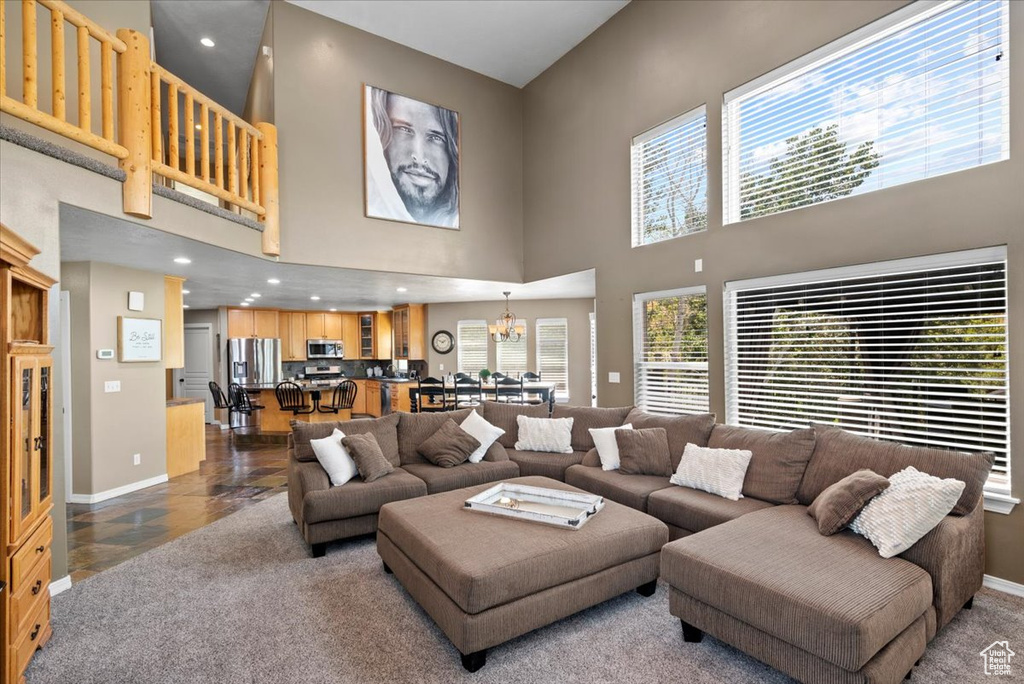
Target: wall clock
{"type": "Point", "coordinates": [442, 342]}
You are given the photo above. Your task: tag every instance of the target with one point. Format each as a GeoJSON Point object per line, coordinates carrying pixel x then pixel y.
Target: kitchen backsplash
{"type": "Point", "coordinates": [353, 369]}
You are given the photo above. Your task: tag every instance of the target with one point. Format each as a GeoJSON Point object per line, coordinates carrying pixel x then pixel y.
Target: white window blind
{"type": "Point", "coordinates": [669, 179]}
{"type": "Point", "coordinates": [912, 351]}
{"type": "Point", "coordinates": [472, 346]}
{"type": "Point", "coordinates": [919, 93]}
{"type": "Point", "coordinates": [670, 349]}
{"type": "Point", "coordinates": [511, 356]}
{"type": "Point", "coordinates": [552, 346]}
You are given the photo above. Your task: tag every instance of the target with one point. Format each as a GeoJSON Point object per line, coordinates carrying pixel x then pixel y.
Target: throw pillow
{"type": "Point", "coordinates": [484, 432]}
{"type": "Point", "coordinates": [368, 456]}
{"type": "Point", "coordinates": [606, 445]}
{"type": "Point", "coordinates": [334, 457]}
{"type": "Point", "coordinates": [778, 462]}
{"type": "Point", "coordinates": [643, 452]}
{"type": "Point", "coordinates": [841, 502]}
{"type": "Point", "coordinates": [545, 434]}
{"type": "Point", "coordinates": [913, 504]}
{"type": "Point", "coordinates": [449, 446]}
{"type": "Point", "coordinates": [716, 471]}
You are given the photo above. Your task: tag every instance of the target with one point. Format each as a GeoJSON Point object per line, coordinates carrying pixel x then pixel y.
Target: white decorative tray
{"type": "Point", "coordinates": [570, 510]}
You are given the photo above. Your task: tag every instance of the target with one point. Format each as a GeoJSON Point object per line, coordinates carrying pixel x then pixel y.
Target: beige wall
{"type": "Point", "coordinates": [320, 66]}
{"type": "Point", "coordinates": [577, 311]}
{"type": "Point", "coordinates": [259, 103]}
{"type": "Point", "coordinates": [655, 60]}
{"type": "Point", "coordinates": [116, 425]}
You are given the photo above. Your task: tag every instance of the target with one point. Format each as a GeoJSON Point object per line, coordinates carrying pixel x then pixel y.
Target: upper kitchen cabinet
{"type": "Point", "coordinates": [375, 335]}
{"type": "Point", "coordinates": [350, 335]}
{"type": "Point", "coordinates": [323, 326]}
{"type": "Point", "coordinates": [409, 331]}
{"type": "Point", "coordinates": [293, 335]}
{"type": "Point", "coordinates": [253, 323]}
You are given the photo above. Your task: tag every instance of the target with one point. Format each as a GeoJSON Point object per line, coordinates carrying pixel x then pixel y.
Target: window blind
{"type": "Point", "coordinates": [671, 351]}
{"type": "Point", "coordinates": [552, 346]}
{"type": "Point", "coordinates": [919, 93]}
{"type": "Point", "coordinates": [472, 347]}
{"type": "Point", "coordinates": [511, 356]}
{"type": "Point", "coordinates": [669, 179]}
{"type": "Point", "coordinates": [913, 351]}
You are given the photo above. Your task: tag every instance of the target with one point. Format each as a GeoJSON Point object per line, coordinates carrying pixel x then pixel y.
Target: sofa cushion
{"type": "Point", "coordinates": [586, 417]}
{"type": "Point", "coordinates": [629, 490]}
{"type": "Point", "coordinates": [838, 453]}
{"type": "Point", "coordinates": [368, 457]}
{"type": "Point", "coordinates": [694, 510]}
{"type": "Point", "coordinates": [833, 597]}
{"type": "Point", "coordinates": [777, 462]}
{"type": "Point", "coordinates": [384, 429]}
{"type": "Point", "coordinates": [358, 498]}
{"type": "Point", "coordinates": [415, 428]}
{"type": "Point", "coordinates": [545, 464]}
{"type": "Point", "coordinates": [643, 452]}
{"type": "Point", "coordinates": [440, 479]}
{"type": "Point", "coordinates": [682, 430]}
{"type": "Point", "coordinates": [504, 415]}
{"type": "Point", "coordinates": [840, 503]}
{"type": "Point", "coordinates": [449, 446]}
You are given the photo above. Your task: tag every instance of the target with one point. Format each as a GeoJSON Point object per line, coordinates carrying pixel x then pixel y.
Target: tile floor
{"type": "Point", "coordinates": [233, 476]}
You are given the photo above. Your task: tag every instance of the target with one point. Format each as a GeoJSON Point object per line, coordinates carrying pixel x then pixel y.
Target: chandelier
{"type": "Point", "coordinates": [505, 327]}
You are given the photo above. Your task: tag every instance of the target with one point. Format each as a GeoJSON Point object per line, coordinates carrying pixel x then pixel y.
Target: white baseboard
{"type": "Point", "coordinates": [1005, 586]}
{"type": "Point", "coordinates": [117, 491]}
{"type": "Point", "coordinates": [57, 586]}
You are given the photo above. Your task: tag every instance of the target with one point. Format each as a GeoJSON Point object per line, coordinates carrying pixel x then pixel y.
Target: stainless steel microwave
{"type": "Point", "coordinates": [325, 349]}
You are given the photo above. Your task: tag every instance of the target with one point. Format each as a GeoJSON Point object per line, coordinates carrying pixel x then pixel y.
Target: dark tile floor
{"type": "Point", "coordinates": [234, 475]}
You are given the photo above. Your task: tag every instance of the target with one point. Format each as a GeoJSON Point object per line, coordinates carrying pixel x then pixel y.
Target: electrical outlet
{"type": "Point", "coordinates": [698, 265]}
{"type": "Point", "coordinates": [440, 366]}
{"type": "Point", "coordinates": [112, 386]}
{"type": "Point", "coordinates": [137, 459]}
{"type": "Point", "coordinates": [613, 377]}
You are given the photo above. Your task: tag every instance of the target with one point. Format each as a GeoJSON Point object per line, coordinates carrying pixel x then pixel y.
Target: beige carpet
{"type": "Point", "coordinates": [242, 601]}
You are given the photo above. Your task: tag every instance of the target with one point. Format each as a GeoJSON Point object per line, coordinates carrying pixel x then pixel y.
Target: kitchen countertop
{"type": "Point", "coordinates": [183, 401]}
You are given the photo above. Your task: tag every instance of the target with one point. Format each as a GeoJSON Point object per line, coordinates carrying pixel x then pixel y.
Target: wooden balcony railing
{"type": "Point", "coordinates": [249, 156]}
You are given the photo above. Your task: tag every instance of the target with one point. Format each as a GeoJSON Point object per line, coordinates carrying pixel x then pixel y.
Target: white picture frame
{"type": "Point", "coordinates": [139, 340]}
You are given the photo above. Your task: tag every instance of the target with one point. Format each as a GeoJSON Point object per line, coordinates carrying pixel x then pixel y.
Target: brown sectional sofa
{"type": "Point", "coordinates": [755, 573]}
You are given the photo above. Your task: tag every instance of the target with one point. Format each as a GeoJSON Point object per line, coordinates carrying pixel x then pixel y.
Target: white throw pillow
{"type": "Point", "coordinates": [908, 509]}
{"type": "Point", "coordinates": [334, 457]}
{"type": "Point", "coordinates": [716, 471]}
{"type": "Point", "coordinates": [607, 447]}
{"type": "Point", "coordinates": [545, 434]}
{"type": "Point", "coordinates": [485, 433]}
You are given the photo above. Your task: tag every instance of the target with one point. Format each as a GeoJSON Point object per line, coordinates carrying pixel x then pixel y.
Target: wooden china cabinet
{"type": "Point", "coordinates": [26, 489]}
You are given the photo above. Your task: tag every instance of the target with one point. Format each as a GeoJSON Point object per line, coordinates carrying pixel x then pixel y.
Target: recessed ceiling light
{"type": "Point", "coordinates": [315, 298]}
{"type": "Point", "coordinates": [333, 309]}
{"type": "Point", "coordinates": [274, 281]}
{"type": "Point", "coordinates": [207, 42]}
{"type": "Point", "coordinates": [402, 289]}
{"type": "Point", "coordinates": [249, 299]}
{"type": "Point", "coordinates": [256, 294]}
{"type": "Point", "coordinates": [182, 260]}
{"type": "Point", "coordinates": [186, 292]}
{"type": "Point", "coordinates": [245, 303]}
{"type": "Point", "coordinates": [184, 306]}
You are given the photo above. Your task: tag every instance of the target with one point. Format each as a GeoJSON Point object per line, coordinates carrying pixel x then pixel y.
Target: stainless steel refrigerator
{"type": "Point", "coordinates": [253, 362]}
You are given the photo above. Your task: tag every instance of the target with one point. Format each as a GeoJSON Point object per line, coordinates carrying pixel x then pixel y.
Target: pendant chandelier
{"type": "Point", "coordinates": [505, 328]}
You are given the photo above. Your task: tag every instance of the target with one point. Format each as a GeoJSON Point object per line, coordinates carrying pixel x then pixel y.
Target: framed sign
{"type": "Point", "coordinates": [139, 340]}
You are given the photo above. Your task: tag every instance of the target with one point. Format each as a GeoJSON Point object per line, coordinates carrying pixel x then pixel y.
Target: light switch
{"type": "Point", "coordinates": [698, 265]}
{"type": "Point", "coordinates": [613, 377]}
{"type": "Point", "coordinates": [112, 386]}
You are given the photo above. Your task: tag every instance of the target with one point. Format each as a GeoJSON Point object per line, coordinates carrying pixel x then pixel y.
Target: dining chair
{"type": "Point", "coordinates": [509, 390]}
{"type": "Point", "coordinates": [468, 392]}
{"type": "Point", "coordinates": [430, 395]}
{"type": "Point", "coordinates": [532, 397]}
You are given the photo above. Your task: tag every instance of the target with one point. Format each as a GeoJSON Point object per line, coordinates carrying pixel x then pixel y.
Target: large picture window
{"type": "Point", "coordinates": [669, 179]}
{"type": "Point", "coordinates": [919, 93]}
{"type": "Point", "coordinates": [670, 350]}
{"type": "Point", "coordinates": [471, 345]}
{"type": "Point", "coordinates": [912, 351]}
{"type": "Point", "coordinates": [552, 346]}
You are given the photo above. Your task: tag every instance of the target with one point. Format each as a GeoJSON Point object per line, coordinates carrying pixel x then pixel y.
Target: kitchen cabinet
{"type": "Point", "coordinates": [253, 323]}
{"type": "Point", "coordinates": [350, 335]}
{"type": "Point", "coordinates": [373, 398]}
{"type": "Point", "coordinates": [323, 325]}
{"type": "Point", "coordinates": [374, 335]}
{"type": "Point", "coordinates": [409, 331]}
{"type": "Point", "coordinates": [359, 404]}
{"type": "Point", "coordinates": [400, 398]}
{"type": "Point", "coordinates": [293, 335]}
{"type": "Point", "coordinates": [174, 323]}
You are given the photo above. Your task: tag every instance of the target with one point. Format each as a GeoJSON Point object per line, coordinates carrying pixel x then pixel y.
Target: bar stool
{"type": "Point", "coordinates": [290, 397]}
{"type": "Point", "coordinates": [239, 398]}
{"type": "Point", "coordinates": [342, 399]}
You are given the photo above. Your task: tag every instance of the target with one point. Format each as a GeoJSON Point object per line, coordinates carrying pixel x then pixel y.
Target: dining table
{"type": "Point", "coordinates": [544, 390]}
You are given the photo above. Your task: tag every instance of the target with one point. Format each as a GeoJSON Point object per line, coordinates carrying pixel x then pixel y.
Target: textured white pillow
{"type": "Point", "coordinates": [334, 457]}
{"type": "Point", "coordinates": [716, 471]}
{"type": "Point", "coordinates": [913, 504]}
{"type": "Point", "coordinates": [485, 433]}
{"type": "Point", "coordinates": [607, 447]}
{"type": "Point", "coordinates": [545, 434]}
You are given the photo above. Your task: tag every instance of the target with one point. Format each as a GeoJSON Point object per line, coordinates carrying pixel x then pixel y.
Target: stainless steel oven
{"type": "Point", "coordinates": [325, 349]}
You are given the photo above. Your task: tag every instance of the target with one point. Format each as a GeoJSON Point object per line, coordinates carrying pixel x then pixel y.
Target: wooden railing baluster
{"type": "Point", "coordinates": [173, 153]}
{"type": "Point", "coordinates": [204, 140]}
{"type": "Point", "coordinates": [154, 105]}
{"type": "Point", "coordinates": [218, 148]}
{"type": "Point", "coordinates": [107, 89]}
{"type": "Point", "coordinates": [232, 160]}
{"type": "Point", "coordinates": [190, 134]}
{"type": "Point", "coordinates": [28, 52]}
{"type": "Point", "coordinates": [57, 64]}
{"type": "Point", "coordinates": [84, 81]}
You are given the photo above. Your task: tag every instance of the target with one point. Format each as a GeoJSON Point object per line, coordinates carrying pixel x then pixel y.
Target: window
{"type": "Point", "coordinates": [920, 93]}
{"type": "Point", "coordinates": [912, 351]}
{"type": "Point", "coordinates": [669, 179]}
{"type": "Point", "coordinates": [511, 358]}
{"type": "Point", "coordinates": [472, 346]}
{"type": "Point", "coordinates": [670, 350]}
{"type": "Point", "coordinates": [553, 354]}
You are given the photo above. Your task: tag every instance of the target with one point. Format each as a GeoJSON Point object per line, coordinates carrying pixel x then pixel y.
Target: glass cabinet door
{"type": "Point", "coordinates": [44, 454]}
{"type": "Point", "coordinates": [24, 438]}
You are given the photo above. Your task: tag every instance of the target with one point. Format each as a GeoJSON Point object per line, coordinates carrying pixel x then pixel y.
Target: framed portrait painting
{"type": "Point", "coordinates": [410, 160]}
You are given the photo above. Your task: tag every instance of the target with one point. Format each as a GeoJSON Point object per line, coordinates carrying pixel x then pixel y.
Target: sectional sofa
{"type": "Point", "coordinates": [754, 573]}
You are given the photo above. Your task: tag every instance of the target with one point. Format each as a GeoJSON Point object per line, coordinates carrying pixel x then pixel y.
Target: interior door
{"type": "Point", "coordinates": [198, 370]}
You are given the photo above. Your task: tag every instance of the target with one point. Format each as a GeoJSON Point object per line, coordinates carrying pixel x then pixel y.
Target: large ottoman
{"type": "Point", "coordinates": [487, 579]}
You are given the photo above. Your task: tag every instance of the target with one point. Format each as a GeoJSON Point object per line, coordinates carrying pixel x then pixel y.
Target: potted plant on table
{"type": "Point", "coordinates": [484, 375]}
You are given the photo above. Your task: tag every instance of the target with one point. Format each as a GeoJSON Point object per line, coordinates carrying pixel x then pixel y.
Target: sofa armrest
{"type": "Point", "coordinates": [303, 477]}
{"type": "Point", "coordinates": [954, 555]}
{"type": "Point", "coordinates": [591, 459]}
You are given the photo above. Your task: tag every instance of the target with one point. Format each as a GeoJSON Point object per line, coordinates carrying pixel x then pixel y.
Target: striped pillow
{"type": "Point", "coordinates": [716, 471]}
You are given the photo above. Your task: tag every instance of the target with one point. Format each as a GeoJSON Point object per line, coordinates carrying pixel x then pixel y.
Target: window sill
{"type": "Point", "coordinates": [1000, 503]}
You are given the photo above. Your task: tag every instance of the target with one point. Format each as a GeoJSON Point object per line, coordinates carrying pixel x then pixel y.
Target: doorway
{"type": "Point", "coordinates": [194, 379]}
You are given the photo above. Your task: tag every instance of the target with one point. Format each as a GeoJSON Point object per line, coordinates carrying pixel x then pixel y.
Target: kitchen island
{"type": "Point", "coordinates": [271, 418]}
